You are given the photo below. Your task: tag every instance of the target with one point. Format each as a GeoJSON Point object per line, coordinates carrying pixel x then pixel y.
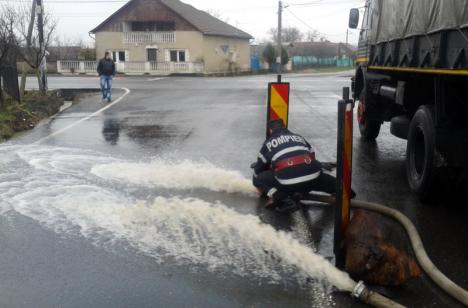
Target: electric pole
{"type": "Point", "coordinates": [280, 48]}
{"type": "Point", "coordinates": [24, 72]}
{"type": "Point", "coordinates": [347, 35]}
{"type": "Point", "coordinates": [40, 29]}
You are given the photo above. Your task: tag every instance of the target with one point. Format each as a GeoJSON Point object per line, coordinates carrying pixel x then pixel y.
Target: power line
{"type": "Point", "coordinates": [302, 21]}
{"type": "Point", "coordinates": [308, 26]}
{"type": "Point", "coordinates": [319, 3]}
{"type": "Point", "coordinates": [70, 2]}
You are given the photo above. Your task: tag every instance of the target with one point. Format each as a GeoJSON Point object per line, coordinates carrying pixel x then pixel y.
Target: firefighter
{"type": "Point", "coordinates": [287, 167]}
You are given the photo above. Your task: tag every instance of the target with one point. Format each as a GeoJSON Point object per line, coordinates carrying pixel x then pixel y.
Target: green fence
{"type": "Point", "coordinates": [345, 62]}
{"type": "Point", "coordinates": [301, 62]}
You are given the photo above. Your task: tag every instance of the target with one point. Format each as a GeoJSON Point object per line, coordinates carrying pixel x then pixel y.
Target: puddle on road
{"type": "Point", "coordinates": [143, 132]}
{"type": "Point", "coordinates": [58, 187]}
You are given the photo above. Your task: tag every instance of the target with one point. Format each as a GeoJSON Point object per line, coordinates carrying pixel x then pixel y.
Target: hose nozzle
{"type": "Point", "coordinates": [361, 292]}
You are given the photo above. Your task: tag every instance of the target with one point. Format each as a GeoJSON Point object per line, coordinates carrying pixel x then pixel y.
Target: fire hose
{"type": "Point", "coordinates": [426, 264]}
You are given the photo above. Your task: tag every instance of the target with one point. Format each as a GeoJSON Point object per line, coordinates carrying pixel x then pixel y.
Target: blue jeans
{"type": "Point", "coordinates": [106, 86]}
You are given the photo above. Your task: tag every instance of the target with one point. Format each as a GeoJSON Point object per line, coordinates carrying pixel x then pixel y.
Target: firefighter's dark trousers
{"type": "Point", "coordinates": [269, 185]}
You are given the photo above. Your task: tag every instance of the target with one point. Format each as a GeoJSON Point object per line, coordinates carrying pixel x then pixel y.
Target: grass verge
{"type": "Point", "coordinates": [17, 117]}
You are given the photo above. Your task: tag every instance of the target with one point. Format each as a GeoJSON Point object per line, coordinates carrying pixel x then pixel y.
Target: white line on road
{"type": "Point", "coordinates": [155, 79]}
{"type": "Point", "coordinates": [267, 80]}
{"type": "Point", "coordinates": [334, 96]}
{"type": "Point", "coordinates": [60, 131]}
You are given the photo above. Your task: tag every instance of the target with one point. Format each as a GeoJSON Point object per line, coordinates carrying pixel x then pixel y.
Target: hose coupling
{"type": "Point", "coordinates": [358, 290]}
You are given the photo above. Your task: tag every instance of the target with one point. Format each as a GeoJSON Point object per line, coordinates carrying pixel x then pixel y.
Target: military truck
{"type": "Point", "coordinates": [412, 71]}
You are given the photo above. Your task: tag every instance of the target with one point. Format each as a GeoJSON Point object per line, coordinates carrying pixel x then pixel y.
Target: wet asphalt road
{"type": "Point", "coordinates": [220, 120]}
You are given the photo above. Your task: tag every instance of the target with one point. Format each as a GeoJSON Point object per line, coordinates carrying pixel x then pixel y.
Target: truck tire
{"type": "Point", "coordinates": [368, 128]}
{"type": "Point", "coordinates": [421, 170]}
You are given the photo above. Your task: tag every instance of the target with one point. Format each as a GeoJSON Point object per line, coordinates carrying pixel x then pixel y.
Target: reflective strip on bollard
{"type": "Point", "coordinates": [343, 175]}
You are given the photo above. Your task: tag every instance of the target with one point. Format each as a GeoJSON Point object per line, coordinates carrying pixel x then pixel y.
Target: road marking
{"type": "Point", "coordinates": [60, 131]}
{"type": "Point", "coordinates": [155, 79]}
{"type": "Point", "coordinates": [335, 96]}
{"type": "Point", "coordinates": [266, 80]}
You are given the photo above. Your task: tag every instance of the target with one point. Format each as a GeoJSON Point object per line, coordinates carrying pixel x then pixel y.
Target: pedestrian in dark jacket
{"type": "Point", "coordinates": [287, 165]}
{"type": "Point", "coordinates": [106, 70]}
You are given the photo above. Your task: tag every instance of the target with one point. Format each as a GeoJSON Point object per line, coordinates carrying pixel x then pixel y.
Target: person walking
{"type": "Point", "coordinates": [106, 71]}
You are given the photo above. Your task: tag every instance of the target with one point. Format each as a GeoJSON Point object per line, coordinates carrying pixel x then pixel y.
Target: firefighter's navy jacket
{"type": "Point", "coordinates": [282, 145]}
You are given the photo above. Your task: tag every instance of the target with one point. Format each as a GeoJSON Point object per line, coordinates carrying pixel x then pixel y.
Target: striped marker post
{"type": "Point", "coordinates": [278, 102]}
{"type": "Point", "coordinates": [343, 175]}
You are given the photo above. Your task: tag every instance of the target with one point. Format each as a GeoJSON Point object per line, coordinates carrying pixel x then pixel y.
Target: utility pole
{"type": "Point", "coordinates": [347, 35]}
{"type": "Point", "coordinates": [280, 48]}
{"type": "Point", "coordinates": [24, 72]}
{"type": "Point", "coordinates": [43, 65]}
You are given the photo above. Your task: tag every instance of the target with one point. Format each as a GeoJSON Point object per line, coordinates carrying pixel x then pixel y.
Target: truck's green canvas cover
{"type": "Point", "coordinates": [398, 19]}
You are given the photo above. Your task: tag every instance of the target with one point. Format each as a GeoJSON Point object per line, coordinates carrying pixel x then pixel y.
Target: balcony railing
{"type": "Point", "coordinates": [148, 37]}
{"type": "Point", "coordinates": [83, 67]}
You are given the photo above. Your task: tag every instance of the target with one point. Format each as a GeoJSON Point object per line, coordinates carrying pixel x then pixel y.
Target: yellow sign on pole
{"type": "Point", "coordinates": [278, 102]}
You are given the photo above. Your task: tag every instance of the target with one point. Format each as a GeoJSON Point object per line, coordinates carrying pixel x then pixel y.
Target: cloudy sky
{"type": "Point", "coordinates": [330, 17]}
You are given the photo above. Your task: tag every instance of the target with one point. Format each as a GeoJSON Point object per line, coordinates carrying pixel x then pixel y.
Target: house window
{"type": "Point", "coordinates": [181, 56]}
{"type": "Point", "coordinates": [152, 26]}
{"type": "Point", "coordinates": [152, 54]}
{"type": "Point", "coordinates": [119, 56]}
{"type": "Point", "coordinates": [177, 56]}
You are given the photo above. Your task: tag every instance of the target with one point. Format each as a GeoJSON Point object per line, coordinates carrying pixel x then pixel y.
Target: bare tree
{"type": "Point", "coordinates": [8, 43]}
{"type": "Point", "coordinates": [29, 40]}
{"type": "Point", "coordinates": [312, 35]}
{"type": "Point", "coordinates": [288, 35]}
{"type": "Point", "coordinates": [67, 48]}
{"type": "Point", "coordinates": [7, 33]}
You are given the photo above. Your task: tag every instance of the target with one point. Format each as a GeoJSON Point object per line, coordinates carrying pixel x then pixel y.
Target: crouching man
{"type": "Point", "coordinates": [287, 166]}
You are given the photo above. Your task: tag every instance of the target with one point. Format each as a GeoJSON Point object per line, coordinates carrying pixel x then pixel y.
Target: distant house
{"type": "Point", "coordinates": [169, 36]}
{"type": "Point", "coordinates": [305, 55]}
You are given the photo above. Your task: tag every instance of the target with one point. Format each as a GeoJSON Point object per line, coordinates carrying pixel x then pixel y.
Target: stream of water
{"type": "Point", "coordinates": [80, 192]}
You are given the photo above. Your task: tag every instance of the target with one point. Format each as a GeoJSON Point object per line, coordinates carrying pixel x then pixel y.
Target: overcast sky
{"type": "Point", "coordinates": [76, 18]}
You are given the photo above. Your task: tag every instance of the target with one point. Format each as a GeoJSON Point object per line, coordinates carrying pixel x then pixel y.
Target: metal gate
{"type": "Point", "coordinates": [255, 63]}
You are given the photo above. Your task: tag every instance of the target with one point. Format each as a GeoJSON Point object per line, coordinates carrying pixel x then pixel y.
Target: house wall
{"type": "Point", "coordinates": [185, 40]}
{"type": "Point", "coordinates": [214, 51]}
{"type": "Point", "coordinates": [219, 54]}
{"type": "Point", "coordinates": [217, 57]}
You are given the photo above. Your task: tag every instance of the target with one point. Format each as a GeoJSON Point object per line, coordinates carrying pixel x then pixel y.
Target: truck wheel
{"type": "Point", "coordinates": [369, 129]}
{"type": "Point", "coordinates": [420, 154]}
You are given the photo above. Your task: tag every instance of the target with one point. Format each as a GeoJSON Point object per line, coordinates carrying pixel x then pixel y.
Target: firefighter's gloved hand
{"type": "Point", "coordinates": [328, 166]}
{"type": "Point", "coordinates": [253, 165]}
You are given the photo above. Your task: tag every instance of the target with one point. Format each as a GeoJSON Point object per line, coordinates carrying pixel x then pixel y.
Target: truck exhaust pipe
{"type": "Point", "coordinates": [394, 94]}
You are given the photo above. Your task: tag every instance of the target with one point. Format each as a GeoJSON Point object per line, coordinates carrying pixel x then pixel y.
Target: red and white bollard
{"type": "Point", "coordinates": [343, 175]}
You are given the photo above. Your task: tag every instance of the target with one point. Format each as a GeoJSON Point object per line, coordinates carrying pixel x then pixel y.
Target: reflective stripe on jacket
{"type": "Point", "coordinates": [282, 145]}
